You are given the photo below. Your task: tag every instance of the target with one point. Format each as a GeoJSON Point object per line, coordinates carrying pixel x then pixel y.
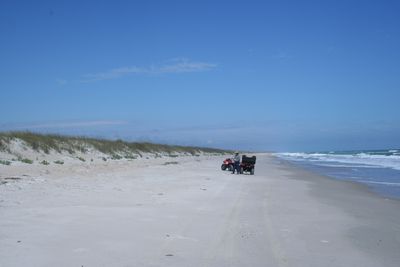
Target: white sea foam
{"type": "Point", "coordinates": [354, 160]}
{"type": "Point", "coordinates": [380, 183]}
{"type": "Point", "coordinates": [338, 165]}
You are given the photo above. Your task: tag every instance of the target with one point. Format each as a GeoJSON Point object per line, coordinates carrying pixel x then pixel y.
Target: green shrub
{"type": "Point", "coordinates": [104, 159]}
{"type": "Point", "coordinates": [116, 156]}
{"type": "Point", "coordinates": [59, 162]}
{"type": "Point", "coordinates": [81, 159]}
{"type": "Point", "coordinates": [5, 162]}
{"type": "Point", "coordinates": [44, 162]}
{"type": "Point", "coordinates": [27, 161]}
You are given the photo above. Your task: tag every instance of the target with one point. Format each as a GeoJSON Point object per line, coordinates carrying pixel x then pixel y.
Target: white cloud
{"type": "Point", "coordinates": [179, 65]}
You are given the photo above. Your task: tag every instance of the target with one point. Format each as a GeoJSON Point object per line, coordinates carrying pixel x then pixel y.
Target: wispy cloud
{"type": "Point", "coordinates": [282, 55]}
{"type": "Point", "coordinates": [61, 82]}
{"type": "Point", "coordinates": [62, 125]}
{"type": "Point", "coordinates": [179, 65]}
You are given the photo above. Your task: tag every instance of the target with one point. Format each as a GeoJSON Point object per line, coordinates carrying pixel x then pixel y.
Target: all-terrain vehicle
{"type": "Point", "coordinates": [248, 164]}
{"type": "Point", "coordinates": [227, 165]}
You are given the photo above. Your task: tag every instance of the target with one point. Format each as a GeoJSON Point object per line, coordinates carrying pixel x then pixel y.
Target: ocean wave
{"type": "Point", "coordinates": [380, 183]}
{"type": "Point", "coordinates": [373, 160]}
{"type": "Point", "coordinates": [338, 165]}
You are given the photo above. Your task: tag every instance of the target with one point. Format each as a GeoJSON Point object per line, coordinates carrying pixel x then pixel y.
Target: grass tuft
{"type": "Point", "coordinates": [116, 156]}
{"type": "Point", "coordinates": [130, 157]}
{"type": "Point", "coordinates": [5, 162]}
{"type": "Point", "coordinates": [27, 161]}
{"type": "Point", "coordinates": [3, 146]}
{"type": "Point", "coordinates": [171, 163]}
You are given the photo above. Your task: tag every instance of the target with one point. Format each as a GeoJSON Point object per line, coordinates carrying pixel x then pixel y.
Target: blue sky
{"type": "Point", "coordinates": [261, 75]}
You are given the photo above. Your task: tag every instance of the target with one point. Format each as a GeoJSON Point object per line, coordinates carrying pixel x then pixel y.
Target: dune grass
{"type": "Point", "coordinates": [171, 163]}
{"type": "Point", "coordinates": [27, 161]}
{"type": "Point", "coordinates": [115, 148]}
{"type": "Point", "coordinates": [5, 162]}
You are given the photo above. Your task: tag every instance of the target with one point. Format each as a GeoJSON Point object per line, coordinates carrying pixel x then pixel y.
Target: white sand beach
{"type": "Point", "coordinates": [185, 211]}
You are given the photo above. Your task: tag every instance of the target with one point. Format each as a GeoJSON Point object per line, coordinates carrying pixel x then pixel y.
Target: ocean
{"type": "Point", "coordinates": [379, 169]}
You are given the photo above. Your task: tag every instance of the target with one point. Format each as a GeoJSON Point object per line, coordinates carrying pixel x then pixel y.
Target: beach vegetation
{"type": "Point", "coordinates": [171, 163]}
{"type": "Point", "coordinates": [116, 157]}
{"type": "Point", "coordinates": [44, 162]}
{"type": "Point", "coordinates": [59, 162]}
{"type": "Point", "coordinates": [2, 145]}
{"type": "Point", "coordinates": [5, 162]}
{"type": "Point", "coordinates": [27, 161]}
{"type": "Point", "coordinates": [130, 156]}
{"type": "Point", "coordinates": [73, 144]}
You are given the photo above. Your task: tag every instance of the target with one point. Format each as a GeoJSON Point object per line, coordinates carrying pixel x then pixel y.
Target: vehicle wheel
{"type": "Point", "coordinates": [223, 167]}
{"type": "Point", "coordinates": [230, 168]}
{"type": "Point", "coordinates": [241, 170]}
{"type": "Point", "coordinates": [252, 171]}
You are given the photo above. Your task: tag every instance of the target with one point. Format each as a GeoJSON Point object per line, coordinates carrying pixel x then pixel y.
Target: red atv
{"type": "Point", "coordinates": [227, 165]}
{"type": "Point", "coordinates": [248, 164]}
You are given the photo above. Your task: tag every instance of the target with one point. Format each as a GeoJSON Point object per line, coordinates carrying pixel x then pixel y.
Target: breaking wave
{"type": "Point", "coordinates": [371, 159]}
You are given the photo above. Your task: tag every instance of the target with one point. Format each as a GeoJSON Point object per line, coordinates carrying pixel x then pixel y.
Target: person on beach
{"type": "Point", "coordinates": [236, 163]}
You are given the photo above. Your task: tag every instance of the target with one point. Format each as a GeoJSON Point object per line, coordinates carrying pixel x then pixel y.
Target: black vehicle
{"type": "Point", "coordinates": [248, 164]}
